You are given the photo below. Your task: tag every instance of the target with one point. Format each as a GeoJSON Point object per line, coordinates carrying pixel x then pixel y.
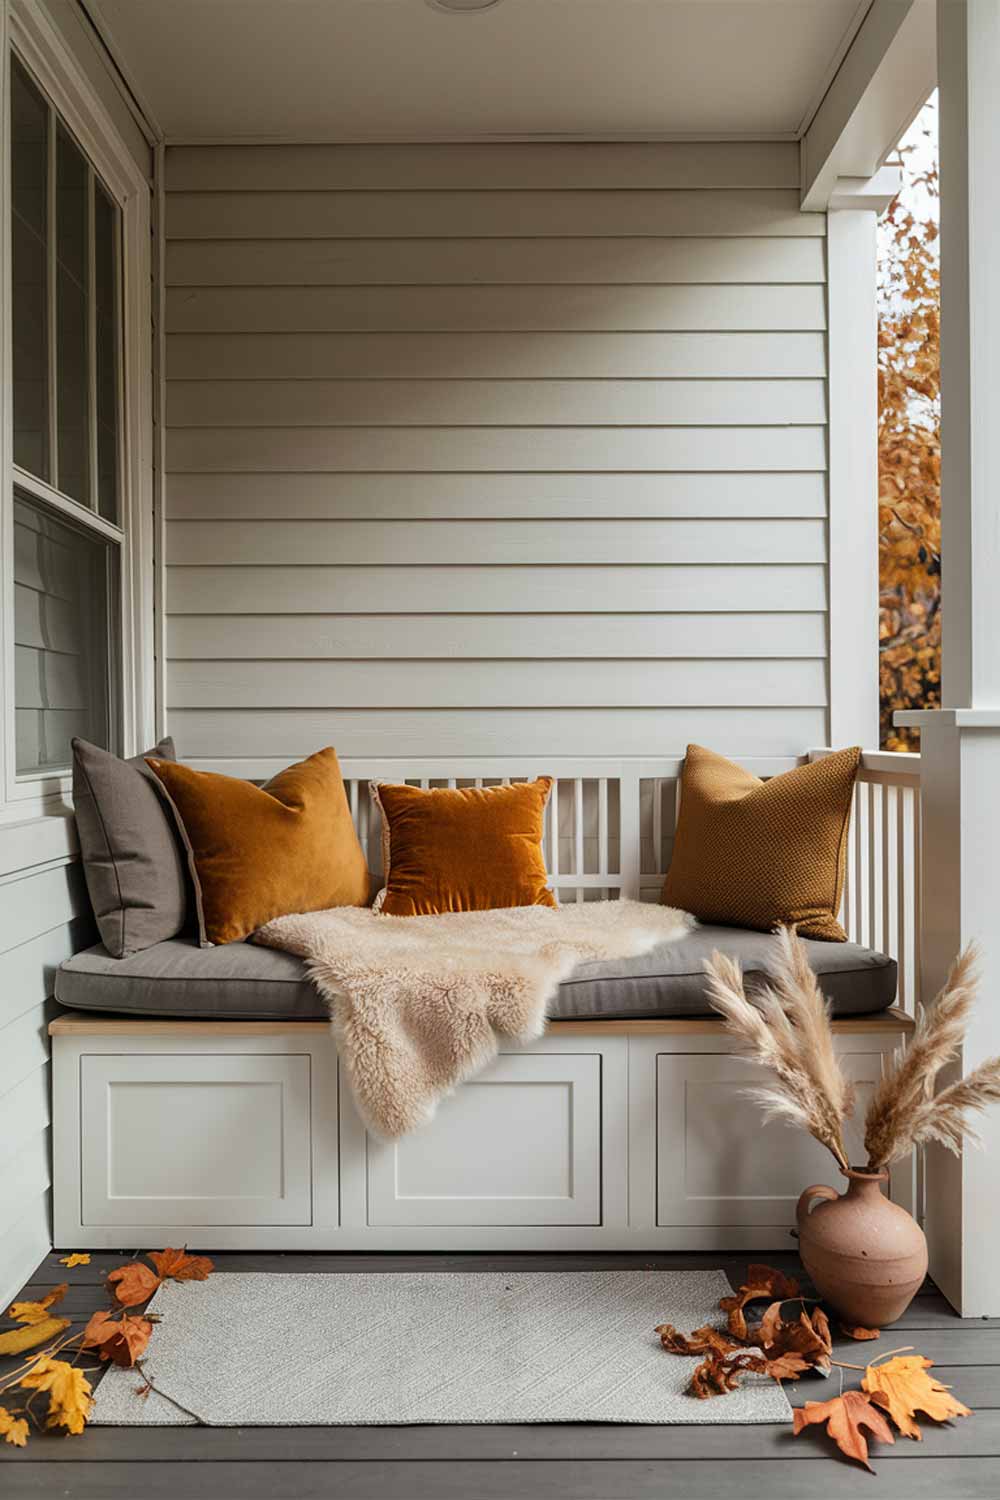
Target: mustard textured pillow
{"type": "Point", "coordinates": [752, 853]}
{"type": "Point", "coordinates": [263, 852]}
{"type": "Point", "coordinates": [462, 849]}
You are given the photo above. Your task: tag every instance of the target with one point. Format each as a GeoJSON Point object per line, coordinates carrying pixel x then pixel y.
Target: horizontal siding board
{"type": "Point", "coordinates": [27, 972]}
{"type": "Point", "coordinates": [443, 262]}
{"type": "Point", "coordinates": [494, 309]}
{"type": "Point", "coordinates": [375, 168]}
{"type": "Point", "coordinates": [496, 356]}
{"type": "Point", "coordinates": [421, 403]}
{"type": "Point", "coordinates": [510, 590]}
{"type": "Point", "coordinates": [24, 1173]}
{"type": "Point", "coordinates": [524, 637]}
{"type": "Point", "coordinates": [24, 1046]}
{"type": "Point", "coordinates": [411, 497]}
{"type": "Point", "coordinates": [494, 684]}
{"type": "Point", "coordinates": [24, 1245]}
{"type": "Point", "coordinates": [510, 449]}
{"type": "Point", "coordinates": [472, 214]}
{"type": "Point", "coordinates": [24, 1111]}
{"type": "Point", "coordinates": [536, 543]}
{"type": "Point", "coordinates": [36, 841]}
{"type": "Point", "coordinates": [662, 732]}
{"type": "Point", "coordinates": [36, 903]}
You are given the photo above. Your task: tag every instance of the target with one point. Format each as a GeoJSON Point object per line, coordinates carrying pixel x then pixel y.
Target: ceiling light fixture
{"type": "Point", "coordinates": [462, 7]}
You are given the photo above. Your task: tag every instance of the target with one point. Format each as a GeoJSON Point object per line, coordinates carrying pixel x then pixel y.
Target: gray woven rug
{"type": "Point", "coordinates": [260, 1350]}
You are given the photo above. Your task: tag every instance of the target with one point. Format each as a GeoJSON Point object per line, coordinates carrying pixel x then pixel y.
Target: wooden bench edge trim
{"type": "Point", "coordinates": [893, 1020]}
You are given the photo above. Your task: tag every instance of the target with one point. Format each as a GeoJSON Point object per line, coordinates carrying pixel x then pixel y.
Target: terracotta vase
{"type": "Point", "coordinates": [865, 1254]}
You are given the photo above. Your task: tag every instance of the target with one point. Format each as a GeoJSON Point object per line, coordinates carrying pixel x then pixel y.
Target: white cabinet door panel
{"type": "Point", "coordinates": [518, 1144]}
{"type": "Point", "coordinates": [231, 1136]}
{"type": "Point", "coordinates": [718, 1162]}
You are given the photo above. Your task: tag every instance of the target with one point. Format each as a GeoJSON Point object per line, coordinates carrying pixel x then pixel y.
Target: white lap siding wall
{"type": "Point", "coordinates": [480, 450]}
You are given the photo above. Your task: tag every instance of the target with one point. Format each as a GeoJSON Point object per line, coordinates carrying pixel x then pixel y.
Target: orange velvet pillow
{"type": "Point", "coordinates": [262, 852]}
{"type": "Point", "coordinates": [462, 849]}
{"type": "Point", "coordinates": [758, 854]}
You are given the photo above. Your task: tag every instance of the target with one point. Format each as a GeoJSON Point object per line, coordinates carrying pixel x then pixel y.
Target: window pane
{"type": "Point", "coordinates": [65, 638]}
{"type": "Point", "coordinates": [106, 241]}
{"type": "Point", "coordinates": [72, 363]}
{"type": "Point", "coordinates": [29, 202]}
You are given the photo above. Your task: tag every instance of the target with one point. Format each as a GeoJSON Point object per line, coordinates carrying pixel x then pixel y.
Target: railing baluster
{"type": "Point", "coordinates": [554, 836]}
{"type": "Point", "coordinates": [900, 797]}
{"type": "Point", "coordinates": [578, 826]}
{"type": "Point", "coordinates": [917, 893]}
{"type": "Point", "coordinates": [888, 880]}
{"type": "Point", "coordinates": [658, 827]}
{"type": "Point", "coordinates": [872, 876]}
{"type": "Point", "coordinates": [859, 867]}
{"type": "Point", "coordinates": [603, 859]}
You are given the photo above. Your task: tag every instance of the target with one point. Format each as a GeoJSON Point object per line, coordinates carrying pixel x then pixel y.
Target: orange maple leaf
{"type": "Point", "coordinates": [78, 1258]}
{"type": "Point", "coordinates": [844, 1418]}
{"type": "Point", "coordinates": [120, 1339]}
{"type": "Point", "coordinates": [903, 1387]}
{"type": "Point", "coordinates": [177, 1265]}
{"type": "Point", "coordinates": [133, 1283]}
{"type": "Point", "coordinates": [37, 1312]}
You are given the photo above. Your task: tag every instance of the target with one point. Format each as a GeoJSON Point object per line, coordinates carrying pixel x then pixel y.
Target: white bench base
{"type": "Point", "coordinates": [602, 1136]}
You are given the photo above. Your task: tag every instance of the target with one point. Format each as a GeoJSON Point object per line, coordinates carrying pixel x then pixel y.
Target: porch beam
{"type": "Point", "coordinates": [960, 744]}
{"type": "Point", "coordinates": [883, 81]}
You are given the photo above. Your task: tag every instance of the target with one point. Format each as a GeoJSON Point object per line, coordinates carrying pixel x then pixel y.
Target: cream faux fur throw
{"type": "Point", "coordinates": [420, 1003]}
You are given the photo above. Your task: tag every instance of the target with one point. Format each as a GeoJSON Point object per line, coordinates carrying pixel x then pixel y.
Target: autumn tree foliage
{"type": "Point", "coordinates": [909, 441]}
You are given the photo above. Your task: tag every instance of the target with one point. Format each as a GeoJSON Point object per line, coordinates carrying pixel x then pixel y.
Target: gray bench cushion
{"type": "Point", "coordinates": [245, 982]}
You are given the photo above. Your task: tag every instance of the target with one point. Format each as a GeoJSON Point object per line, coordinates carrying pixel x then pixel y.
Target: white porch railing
{"type": "Point", "coordinates": [881, 901]}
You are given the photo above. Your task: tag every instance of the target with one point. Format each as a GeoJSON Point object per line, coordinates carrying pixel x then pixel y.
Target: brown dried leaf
{"type": "Point", "coordinates": [177, 1265]}
{"type": "Point", "coordinates": [720, 1373]}
{"type": "Point", "coordinates": [855, 1331]}
{"type": "Point", "coordinates": [844, 1418]}
{"type": "Point", "coordinates": [761, 1281]}
{"type": "Point", "coordinates": [133, 1283]}
{"type": "Point", "coordinates": [121, 1339]}
{"type": "Point", "coordinates": [701, 1341]}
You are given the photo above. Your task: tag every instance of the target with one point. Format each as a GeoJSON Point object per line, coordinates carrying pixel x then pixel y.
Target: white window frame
{"type": "Point", "coordinates": [39, 47]}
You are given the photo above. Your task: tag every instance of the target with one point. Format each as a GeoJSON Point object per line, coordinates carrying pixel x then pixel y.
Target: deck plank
{"type": "Point", "coordinates": [783, 1478]}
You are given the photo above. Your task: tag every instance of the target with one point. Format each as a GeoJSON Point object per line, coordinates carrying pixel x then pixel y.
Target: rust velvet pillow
{"type": "Point", "coordinates": [263, 852]}
{"type": "Point", "coordinates": [462, 849]}
{"type": "Point", "coordinates": [754, 853]}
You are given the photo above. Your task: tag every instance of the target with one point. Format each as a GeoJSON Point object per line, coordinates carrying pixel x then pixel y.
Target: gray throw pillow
{"type": "Point", "coordinates": [131, 859]}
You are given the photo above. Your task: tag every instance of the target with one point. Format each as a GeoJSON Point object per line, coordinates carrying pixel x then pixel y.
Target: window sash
{"type": "Point", "coordinates": [105, 447]}
{"type": "Point", "coordinates": [61, 140]}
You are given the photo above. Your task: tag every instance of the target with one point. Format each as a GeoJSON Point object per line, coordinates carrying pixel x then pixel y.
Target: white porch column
{"type": "Point", "coordinates": [961, 743]}
{"type": "Point", "coordinates": [852, 318]}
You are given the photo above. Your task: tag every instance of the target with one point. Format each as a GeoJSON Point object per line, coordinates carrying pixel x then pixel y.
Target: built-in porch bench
{"type": "Point", "coordinates": [198, 1099]}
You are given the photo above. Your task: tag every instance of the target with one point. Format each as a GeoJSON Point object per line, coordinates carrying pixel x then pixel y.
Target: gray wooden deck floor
{"type": "Point", "coordinates": [583, 1462]}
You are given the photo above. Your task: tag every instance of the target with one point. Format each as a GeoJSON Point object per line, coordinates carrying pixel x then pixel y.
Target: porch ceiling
{"type": "Point", "coordinates": [400, 70]}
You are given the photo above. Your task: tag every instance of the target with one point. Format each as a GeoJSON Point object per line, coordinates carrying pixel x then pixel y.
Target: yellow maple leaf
{"type": "Point", "coordinates": [13, 1429]}
{"type": "Point", "coordinates": [69, 1392]}
{"type": "Point", "coordinates": [37, 1312]}
{"type": "Point", "coordinates": [902, 1387]}
{"type": "Point", "coordinates": [76, 1259]}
